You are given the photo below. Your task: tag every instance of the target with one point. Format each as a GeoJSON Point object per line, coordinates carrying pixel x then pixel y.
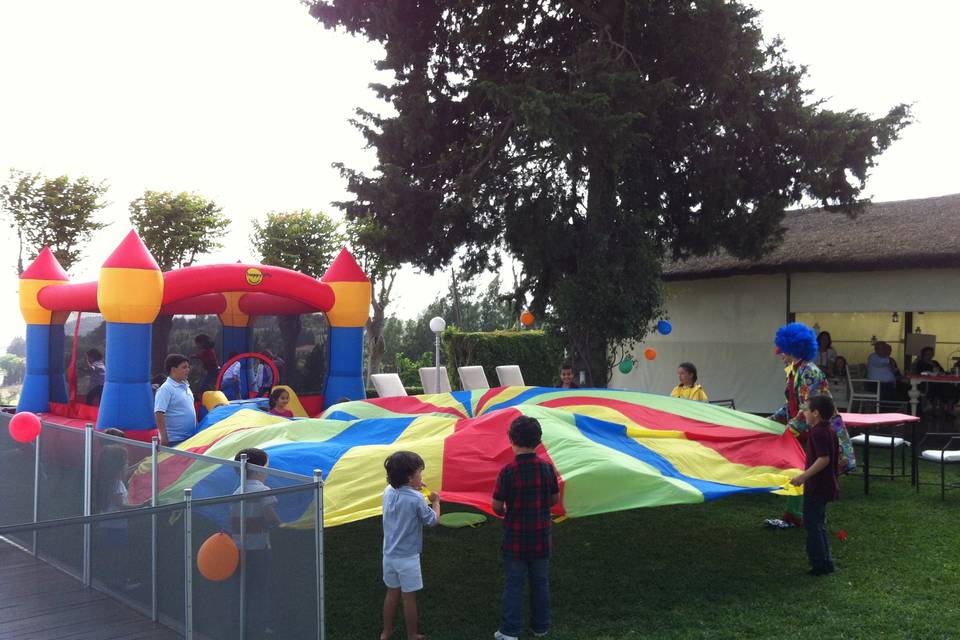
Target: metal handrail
{"type": "Point", "coordinates": [146, 511]}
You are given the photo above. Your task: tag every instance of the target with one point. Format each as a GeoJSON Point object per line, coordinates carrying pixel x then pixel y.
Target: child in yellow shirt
{"type": "Point", "coordinates": [688, 387]}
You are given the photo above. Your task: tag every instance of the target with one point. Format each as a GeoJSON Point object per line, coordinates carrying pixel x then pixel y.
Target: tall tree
{"type": "Point", "coordinates": [176, 228]}
{"type": "Point", "coordinates": [303, 241]}
{"type": "Point", "coordinates": [382, 271]}
{"type": "Point", "coordinates": [55, 212]}
{"type": "Point", "coordinates": [593, 138]}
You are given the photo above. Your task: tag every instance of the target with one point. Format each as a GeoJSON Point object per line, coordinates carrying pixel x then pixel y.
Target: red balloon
{"type": "Point", "coordinates": [526, 318]}
{"type": "Point", "coordinates": [650, 354]}
{"type": "Point", "coordinates": [218, 557]}
{"type": "Point", "coordinates": [24, 427]}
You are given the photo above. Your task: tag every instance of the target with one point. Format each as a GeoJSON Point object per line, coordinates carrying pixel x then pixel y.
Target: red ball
{"type": "Point", "coordinates": [25, 427]}
{"type": "Point", "coordinates": [650, 354]}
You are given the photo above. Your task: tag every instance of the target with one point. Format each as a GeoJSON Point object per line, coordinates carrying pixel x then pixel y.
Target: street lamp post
{"type": "Point", "coordinates": [437, 325]}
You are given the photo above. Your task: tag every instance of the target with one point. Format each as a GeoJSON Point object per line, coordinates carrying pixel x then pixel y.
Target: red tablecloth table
{"type": "Point", "coordinates": [868, 421]}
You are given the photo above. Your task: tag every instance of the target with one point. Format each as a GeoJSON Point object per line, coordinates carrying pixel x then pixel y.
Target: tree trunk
{"type": "Point", "coordinates": [589, 346]}
{"type": "Point", "coordinates": [159, 344]}
{"type": "Point", "coordinates": [289, 332]}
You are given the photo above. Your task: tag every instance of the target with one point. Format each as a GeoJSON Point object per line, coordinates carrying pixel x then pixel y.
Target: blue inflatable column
{"type": "Point", "coordinates": [35, 394]}
{"type": "Point", "coordinates": [44, 380]}
{"type": "Point", "coordinates": [127, 399]}
{"type": "Point", "coordinates": [345, 368]}
{"type": "Point", "coordinates": [129, 294]}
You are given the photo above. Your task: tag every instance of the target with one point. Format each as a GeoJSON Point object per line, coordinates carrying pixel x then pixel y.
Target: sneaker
{"type": "Point", "coordinates": [777, 523]}
{"type": "Point", "coordinates": [501, 636]}
{"type": "Point", "coordinates": [538, 634]}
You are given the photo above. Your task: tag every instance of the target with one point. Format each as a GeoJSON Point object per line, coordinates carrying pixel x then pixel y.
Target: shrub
{"type": "Point", "coordinates": [538, 354]}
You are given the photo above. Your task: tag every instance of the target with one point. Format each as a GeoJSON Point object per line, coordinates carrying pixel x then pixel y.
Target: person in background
{"type": "Point", "coordinates": [264, 379]}
{"type": "Point", "coordinates": [939, 396]}
{"type": "Point", "coordinates": [259, 515]}
{"type": "Point", "coordinates": [98, 374]}
{"type": "Point", "coordinates": [826, 354]}
{"type": "Point", "coordinates": [883, 368]}
{"type": "Point", "coordinates": [279, 399]}
{"type": "Point", "coordinates": [109, 496]}
{"type": "Point", "coordinates": [566, 377]}
{"type": "Point", "coordinates": [207, 355]}
{"type": "Point", "coordinates": [230, 383]}
{"type": "Point", "coordinates": [689, 388]}
{"type": "Point", "coordinates": [173, 405]}
{"type": "Point", "coordinates": [840, 367]}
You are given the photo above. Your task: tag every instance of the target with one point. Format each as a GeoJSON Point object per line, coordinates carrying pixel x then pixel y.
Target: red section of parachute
{"type": "Point", "coordinates": [729, 442]}
{"type": "Point", "coordinates": [473, 456]}
{"type": "Point", "coordinates": [344, 269]}
{"type": "Point", "coordinates": [131, 254]}
{"type": "Point", "coordinates": [411, 405]}
{"type": "Point", "coordinates": [45, 267]}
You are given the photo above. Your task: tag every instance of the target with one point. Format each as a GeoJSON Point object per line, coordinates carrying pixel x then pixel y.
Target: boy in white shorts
{"type": "Point", "coordinates": [404, 515]}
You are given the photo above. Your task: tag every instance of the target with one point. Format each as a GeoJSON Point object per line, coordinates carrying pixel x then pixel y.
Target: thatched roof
{"type": "Point", "coordinates": [905, 234]}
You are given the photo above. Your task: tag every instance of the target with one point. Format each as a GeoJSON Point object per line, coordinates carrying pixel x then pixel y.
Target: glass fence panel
{"type": "Point", "coordinates": [16, 491]}
{"type": "Point", "coordinates": [279, 567]}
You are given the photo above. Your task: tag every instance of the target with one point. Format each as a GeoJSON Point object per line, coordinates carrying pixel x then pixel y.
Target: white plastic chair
{"type": "Point", "coordinates": [428, 379]}
{"type": "Point", "coordinates": [472, 378]}
{"type": "Point", "coordinates": [388, 385]}
{"type": "Point", "coordinates": [863, 392]}
{"type": "Point", "coordinates": [510, 376]}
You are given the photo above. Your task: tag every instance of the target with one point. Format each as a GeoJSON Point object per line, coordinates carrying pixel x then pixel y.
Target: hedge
{"type": "Point", "coordinates": [538, 355]}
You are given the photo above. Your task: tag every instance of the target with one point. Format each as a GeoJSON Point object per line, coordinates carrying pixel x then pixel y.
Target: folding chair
{"type": "Point", "coordinates": [388, 385]}
{"type": "Point", "coordinates": [726, 402]}
{"type": "Point", "coordinates": [510, 376]}
{"type": "Point", "coordinates": [862, 390]}
{"type": "Point", "coordinates": [428, 378]}
{"type": "Point", "coordinates": [943, 456]}
{"type": "Point", "coordinates": [472, 378]}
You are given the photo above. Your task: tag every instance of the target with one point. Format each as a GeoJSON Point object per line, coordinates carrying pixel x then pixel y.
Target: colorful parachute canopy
{"type": "Point", "coordinates": [613, 450]}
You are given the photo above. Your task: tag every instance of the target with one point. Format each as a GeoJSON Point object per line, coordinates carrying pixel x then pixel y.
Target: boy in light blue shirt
{"type": "Point", "coordinates": [405, 513]}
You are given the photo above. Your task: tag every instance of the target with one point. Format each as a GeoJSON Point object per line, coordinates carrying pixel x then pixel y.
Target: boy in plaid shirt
{"type": "Point", "coordinates": [526, 489]}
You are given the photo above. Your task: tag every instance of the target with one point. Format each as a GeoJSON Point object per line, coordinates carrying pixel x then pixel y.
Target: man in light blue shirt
{"type": "Point", "coordinates": [882, 368]}
{"type": "Point", "coordinates": [173, 405]}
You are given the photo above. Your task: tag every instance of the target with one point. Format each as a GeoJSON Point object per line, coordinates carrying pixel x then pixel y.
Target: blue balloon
{"type": "Point", "coordinates": [664, 327]}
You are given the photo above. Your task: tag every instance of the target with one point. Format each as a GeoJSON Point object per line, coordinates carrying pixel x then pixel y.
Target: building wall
{"type": "Point", "coordinates": [725, 326]}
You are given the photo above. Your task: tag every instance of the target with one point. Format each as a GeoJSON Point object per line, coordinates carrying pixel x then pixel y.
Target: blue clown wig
{"type": "Point", "coordinates": [798, 340]}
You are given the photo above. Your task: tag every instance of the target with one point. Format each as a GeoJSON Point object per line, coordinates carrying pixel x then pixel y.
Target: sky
{"type": "Point", "coordinates": [247, 102]}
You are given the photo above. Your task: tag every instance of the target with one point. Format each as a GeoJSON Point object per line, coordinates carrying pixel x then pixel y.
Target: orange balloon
{"type": "Point", "coordinates": [526, 318]}
{"type": "Point", "coordinates": [650, 354]}
{"type": "Point", "coordinates": [218, 557]}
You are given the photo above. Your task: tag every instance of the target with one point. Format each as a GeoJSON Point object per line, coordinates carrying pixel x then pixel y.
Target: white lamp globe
{"type": "Point", "coordinates": [437, 324]}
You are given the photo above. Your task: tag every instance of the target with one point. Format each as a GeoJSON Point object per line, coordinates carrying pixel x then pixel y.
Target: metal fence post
{"type": "Point", "coordinates": [243, 547]}
{"type": "Point", "coordinates": [188, 564]}
{"type": "Point", "coordinates": [87, 492]}
{"type": "Point", "coordinates": [154, 613]}
{"type": "Point", "coordinates": [318, 532]}
{"type": "Point", "coordinates": [36, 488]}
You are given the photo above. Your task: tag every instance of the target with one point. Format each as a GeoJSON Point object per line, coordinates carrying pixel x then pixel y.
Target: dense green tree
{"type": "Point", "coordinates": [176, 228]}
{"type": "Point", "coordinates": [52, 212]}
{"type": "Point", "coordinates": [17, 346]}
{"type": "Point", "coordinates": [303, 241]}
{"type": "Point", "coordinates": [591, 139]}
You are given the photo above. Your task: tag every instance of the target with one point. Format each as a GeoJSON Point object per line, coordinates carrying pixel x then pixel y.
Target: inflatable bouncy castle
{"type": "Point", "coordinates": [132, 291]}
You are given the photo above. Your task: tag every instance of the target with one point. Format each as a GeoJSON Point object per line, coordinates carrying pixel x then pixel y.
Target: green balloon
{"type": "Point", "coordinates": [626, 366]}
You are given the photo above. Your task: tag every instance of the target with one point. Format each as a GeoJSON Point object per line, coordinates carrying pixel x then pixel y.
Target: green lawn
{"type": "Point", "coordinates": [700, 571]}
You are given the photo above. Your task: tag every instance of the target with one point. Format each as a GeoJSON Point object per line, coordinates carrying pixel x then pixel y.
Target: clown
{"type": "Point", "coordinates": [797, 346]}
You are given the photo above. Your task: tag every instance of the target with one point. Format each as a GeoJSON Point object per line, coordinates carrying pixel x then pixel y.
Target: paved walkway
{"type": "Point", "coordinates": [38, 602]}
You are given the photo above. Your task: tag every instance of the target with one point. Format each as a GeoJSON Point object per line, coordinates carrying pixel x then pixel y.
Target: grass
{"type": "Point", "coordinates": [706, 571]}
{"type": "Point", "coordinates": [698, 571]}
